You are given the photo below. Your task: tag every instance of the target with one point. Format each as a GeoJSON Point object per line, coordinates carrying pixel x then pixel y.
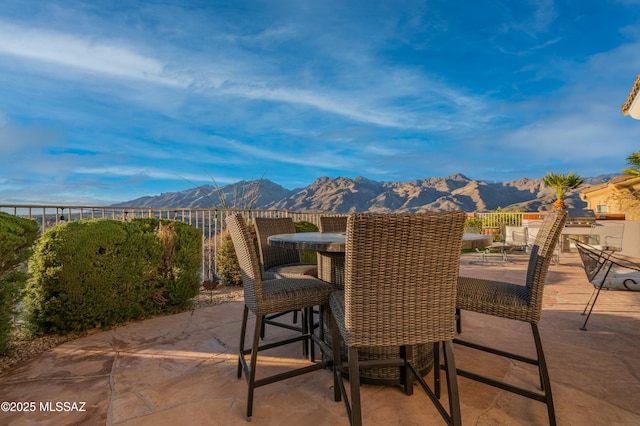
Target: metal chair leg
{"type": "Point", "coordinates": [544, 374]}
{"type": "Point", "coordinates": [338, 385]}
{"type": "Point", "coordinates": [452, 384]}
{"type": "Point", "coordinates": [354, 381]}
{"type": "Point", "coordinates": [436, 369]}
{"type": "Point", "coordinates": [243, 332]}
{"type": "Point", "coordinates": [406, 353]}
{"type": "Point", "coordinates": [545, 396]}
{"type": "Point", "coordinates": [252, 366]}
{"type": "Point", "coordinates": [595, 299]}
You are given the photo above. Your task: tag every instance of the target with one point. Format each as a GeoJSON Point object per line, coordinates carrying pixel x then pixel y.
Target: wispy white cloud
{"type": "Point", "coordinates": [271, 157]}
{"type": "Point", "coordinates": [147, 172]}
{"type": "Point", "coordinates": [378, 103]}
{"type": "Point", "coordinates": [84, 53]}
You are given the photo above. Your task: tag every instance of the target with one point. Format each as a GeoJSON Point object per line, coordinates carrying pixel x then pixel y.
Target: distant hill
{"type": "Point", "coordinates": [342, 195]}
{"type": "Point", "coordinates": [239, 195]}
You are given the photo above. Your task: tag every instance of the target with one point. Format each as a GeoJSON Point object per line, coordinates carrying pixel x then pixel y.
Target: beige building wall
{"type": "Point", "coordinates": [621, 195]}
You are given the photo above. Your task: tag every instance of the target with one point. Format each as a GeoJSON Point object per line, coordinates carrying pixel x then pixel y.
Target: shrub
{"type": "Point", "coordinates": [304, 226]}
{"type": "Point", "coordinates": [17, 236]}
{"type": "Point", "coordinates": [307, 256]}
{"type": "Point", "coordinates": [227, 262]}
{"type": "Point", "coordinates": [98, 273]}
{"type": "Point", "coordinates": [181, 259]}
{"type": "Point", "coordinates": [473, 222]}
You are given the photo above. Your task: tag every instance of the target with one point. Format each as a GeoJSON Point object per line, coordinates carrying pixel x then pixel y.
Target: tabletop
{"type": "Point", "coordinates": [316, 241]}
{"type": "Point", "coordinates": [335, 241]}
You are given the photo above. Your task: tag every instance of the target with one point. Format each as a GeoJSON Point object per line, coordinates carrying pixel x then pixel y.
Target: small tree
{"type": "Point", "coordinates": [227, 261]}
{"type": "Point", "coordinates": [242, 198]}
{"type": "Point", "coordinates": [633, 160]}
{"type": "Point", "coordinates": [562, 184]}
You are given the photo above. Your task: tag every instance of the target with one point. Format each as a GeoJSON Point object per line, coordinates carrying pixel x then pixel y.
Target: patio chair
{"type": "Point", "coordinates": [277, 262]}
{"type": "Point", "coordinates": [333, 223]}
{"type": "Point", "coordinates": [607, 236]}
{"type": "Point", "coordinates": [263, 297]}
{"type": "Point", "coordinates": [532, 234]}
{"type": "Point", "coordinates": [400, 286]}
{"type": "Point", "coordinates": [604, 270]}
{"type": "Point", "coordinates": [516, 238]}
{"type": "Point", "coordinates": [497, 249]}
{"type": "Point", "coordinates": [516, 302]}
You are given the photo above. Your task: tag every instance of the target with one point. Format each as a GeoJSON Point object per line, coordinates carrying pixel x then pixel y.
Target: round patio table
{"type": "Point", "coordinates": [335, 242]}
{"type": "Point", "coordinates": [330, 247]}
{"type": "Point", "coordinates": [474, 241]}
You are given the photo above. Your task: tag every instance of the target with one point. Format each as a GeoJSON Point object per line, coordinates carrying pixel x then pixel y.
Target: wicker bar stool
{"type": "Point", "coordinates": [277, 262]}
{"type": "Point", "coordinates": [333, 223]}
{"type": "Point", "coordinates": [267, 297]}
{"type": "Point", "coordinates": [400, 291]}
{"type": "Point", "coordinates": [516, 302]}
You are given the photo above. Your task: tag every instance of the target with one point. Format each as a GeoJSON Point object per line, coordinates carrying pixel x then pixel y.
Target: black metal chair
{"type": "Point", "coordinates": [604, 270]}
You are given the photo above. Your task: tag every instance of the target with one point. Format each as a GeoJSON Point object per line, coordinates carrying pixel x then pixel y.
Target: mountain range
{"type": "Point", "coordinates": [342, 195]}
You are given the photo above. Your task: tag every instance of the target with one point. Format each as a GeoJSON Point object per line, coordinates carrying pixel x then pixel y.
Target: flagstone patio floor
{"type": "Point", "coordinates": [181, 369]}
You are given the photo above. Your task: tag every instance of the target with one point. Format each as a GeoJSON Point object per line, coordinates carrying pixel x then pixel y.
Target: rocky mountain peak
{"type": "Point", "coordinates": [360, 194]}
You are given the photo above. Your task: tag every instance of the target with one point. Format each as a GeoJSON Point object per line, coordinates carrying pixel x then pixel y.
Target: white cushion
{"type": "Point", "coordinates": [618, 279]}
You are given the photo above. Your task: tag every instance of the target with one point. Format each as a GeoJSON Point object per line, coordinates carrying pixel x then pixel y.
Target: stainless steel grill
{"type": "Point", "coordinates": [577, 227]}
{"type": "Point", "coordinates": [580, 217]}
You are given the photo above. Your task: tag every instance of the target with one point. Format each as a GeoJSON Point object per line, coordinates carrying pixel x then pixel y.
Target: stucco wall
{"type": "Point", "coordinates": [631, 239]}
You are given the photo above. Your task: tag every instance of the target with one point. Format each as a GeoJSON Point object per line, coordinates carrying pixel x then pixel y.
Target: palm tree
{"type": "Point", "coordinates": [562, 183]}
{"type": "Point", "coordinates": [633, 161]}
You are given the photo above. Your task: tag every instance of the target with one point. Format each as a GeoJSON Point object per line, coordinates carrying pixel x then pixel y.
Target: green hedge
{"type": "Point", "coordinates": [102, 272]}
{"type": "Point", "coordinates": [17, 236]}
{"type": "Point", "coordinates": [307, 256]}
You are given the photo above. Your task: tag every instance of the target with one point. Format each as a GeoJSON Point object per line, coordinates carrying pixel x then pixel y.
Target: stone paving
{"type": "Point", "coordinates": [181, 369]}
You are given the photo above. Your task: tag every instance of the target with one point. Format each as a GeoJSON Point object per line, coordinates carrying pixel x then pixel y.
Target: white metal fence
{"type": "Point", "coordinates": [210, 221]}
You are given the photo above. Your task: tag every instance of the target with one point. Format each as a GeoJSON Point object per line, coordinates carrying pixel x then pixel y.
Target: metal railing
{"type": "Point", "coordinates": [499, 219]}
{"type": "Point", "coordinates": [210, 221]}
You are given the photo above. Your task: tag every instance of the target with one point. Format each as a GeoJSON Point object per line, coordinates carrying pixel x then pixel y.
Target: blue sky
{"type": "Point", "coordinates": [106, 101]}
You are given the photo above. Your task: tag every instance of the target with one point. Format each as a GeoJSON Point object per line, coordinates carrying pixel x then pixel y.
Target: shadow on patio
{"type": "Point", "coordinates": [182, 369]}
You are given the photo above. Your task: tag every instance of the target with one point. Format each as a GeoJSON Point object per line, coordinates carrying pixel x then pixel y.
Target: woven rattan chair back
{"type": "Point", "coordinates": [542, 252]}
{"type": "Point", "coordinates": [401, 277]}
{"type": "Point", "coordinates": [333, 223]}
{"type": "Point", "coordinates": [274, 256]}
{"type": "Point", "coordinates": [247, 259]}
